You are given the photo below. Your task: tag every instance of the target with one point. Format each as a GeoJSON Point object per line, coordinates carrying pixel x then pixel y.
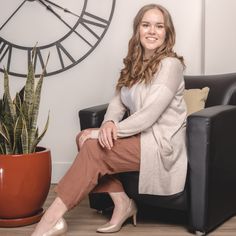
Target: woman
{"type": "Point", "coordinates": [151, 139]}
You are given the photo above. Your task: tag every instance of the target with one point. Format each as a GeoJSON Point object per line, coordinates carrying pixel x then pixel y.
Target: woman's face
{"type": "Point", "coordinates": [152, 31]}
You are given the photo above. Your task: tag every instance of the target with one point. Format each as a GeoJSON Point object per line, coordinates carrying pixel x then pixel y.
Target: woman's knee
{"type": "Point", "coordinates": [85, 132]}
{"type": "Point", "coordinates": [77, 138]}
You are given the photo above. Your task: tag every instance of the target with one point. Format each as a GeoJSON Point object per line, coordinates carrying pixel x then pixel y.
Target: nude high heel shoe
{"type": "Point", "coordinates": [59, 228]}
{"type": "Point", "coordinates": [112, 228]}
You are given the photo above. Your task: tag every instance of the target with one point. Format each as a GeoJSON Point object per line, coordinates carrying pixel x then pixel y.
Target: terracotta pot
{"type": "Point", "coordinates": [24, 184]}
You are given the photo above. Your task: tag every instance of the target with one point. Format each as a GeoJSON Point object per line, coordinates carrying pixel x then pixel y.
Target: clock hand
{"type": "Point", "coordinates": [64, 9]}
{"type": "Point", "coordinates": [61, 19]}
{"type": "Point", "coordinates": [12, 14]}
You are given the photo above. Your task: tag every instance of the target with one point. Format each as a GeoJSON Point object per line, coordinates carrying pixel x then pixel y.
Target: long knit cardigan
{"type": "Point", "coordinates": [160, 117]}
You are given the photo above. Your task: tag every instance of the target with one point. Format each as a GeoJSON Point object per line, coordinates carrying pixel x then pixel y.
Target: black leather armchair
{"type": "Point", "coordinates": [209, 197]}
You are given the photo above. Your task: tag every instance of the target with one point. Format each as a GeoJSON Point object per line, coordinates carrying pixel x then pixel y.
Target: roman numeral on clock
{"type": "Point", "coordinates": [93, 20]}
{"type": "Point", "coordinates": [5, 53]}
{"type": "Point", "coordinates": [62, 51]}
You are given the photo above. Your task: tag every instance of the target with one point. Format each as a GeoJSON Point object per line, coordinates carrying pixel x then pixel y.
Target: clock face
{"type": "Point", "coordinates": [67, 29]}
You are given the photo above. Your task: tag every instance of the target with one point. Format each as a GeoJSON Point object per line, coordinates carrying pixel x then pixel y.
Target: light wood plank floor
{"type": "Point", "coordinates": [83, 221]}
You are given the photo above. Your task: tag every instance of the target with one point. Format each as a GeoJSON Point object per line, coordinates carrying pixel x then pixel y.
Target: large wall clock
{"type": "Point", "coordinates": [69, 29]}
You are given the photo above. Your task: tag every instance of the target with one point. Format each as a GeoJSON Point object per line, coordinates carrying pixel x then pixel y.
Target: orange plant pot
{"type": "Point", "coordinates": [24, 185]}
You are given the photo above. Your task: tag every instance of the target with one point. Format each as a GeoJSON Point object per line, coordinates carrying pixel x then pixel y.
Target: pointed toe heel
{"type": "Point", "coordinates": [135, 219]}
{"type": "Point", "coordinates": [112, 228]}
{"type": "Point", "coordinates": [60, 228]}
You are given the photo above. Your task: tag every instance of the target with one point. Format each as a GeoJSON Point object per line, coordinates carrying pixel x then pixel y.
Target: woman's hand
{"type": "Point", "coordinates": [82, 137]}
{"type": "Point", "coordinates": [107, 133]}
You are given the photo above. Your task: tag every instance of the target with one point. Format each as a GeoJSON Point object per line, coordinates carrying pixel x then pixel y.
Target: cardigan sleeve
{"type": "Point", "coordinates": [115, 112]}
{"type": "Point", "coordinates": [116, 109]}
{"type": "Point", "coordinates": [163, 89]}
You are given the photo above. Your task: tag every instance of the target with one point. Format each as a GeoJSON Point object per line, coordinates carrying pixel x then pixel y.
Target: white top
{"type": "Point", "coordinates": [128, 96]}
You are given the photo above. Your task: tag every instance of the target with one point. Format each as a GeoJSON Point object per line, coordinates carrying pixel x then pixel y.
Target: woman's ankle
{"type": "Point", "coordinates": [120, 199]}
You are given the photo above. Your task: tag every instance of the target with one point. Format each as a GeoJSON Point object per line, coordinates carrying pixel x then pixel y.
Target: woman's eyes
{"type": "Point", "coordinates": [145, 25]}
{"type": "Point", "coordinates": [159, 26]}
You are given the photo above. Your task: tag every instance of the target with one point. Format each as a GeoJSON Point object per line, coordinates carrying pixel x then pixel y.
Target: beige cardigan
{"type": "Point", "coordinates": [160, 117]}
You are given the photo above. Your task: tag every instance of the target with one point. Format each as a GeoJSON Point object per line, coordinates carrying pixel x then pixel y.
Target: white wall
{"type": "Point", "coordinates": [220, 36]}
{"type": "Point", "coordinates": [92, 81]}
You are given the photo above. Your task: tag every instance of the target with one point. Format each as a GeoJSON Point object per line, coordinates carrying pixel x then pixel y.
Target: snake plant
{"type": "Point", "coordinates": [19, 133]}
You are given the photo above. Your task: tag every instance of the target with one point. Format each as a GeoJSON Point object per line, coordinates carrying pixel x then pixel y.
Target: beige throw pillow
{"type": "Point", "coordinates": [195, 99]}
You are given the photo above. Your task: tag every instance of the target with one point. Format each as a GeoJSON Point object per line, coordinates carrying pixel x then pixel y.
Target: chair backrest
{"type": "Point", "coordinates": [222, 87]}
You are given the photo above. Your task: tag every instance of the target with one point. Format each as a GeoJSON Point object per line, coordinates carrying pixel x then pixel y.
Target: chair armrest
{"type": "Point", "coordinates": [211, 142]}
{"type": "Point", "coordinates": [92, 117]}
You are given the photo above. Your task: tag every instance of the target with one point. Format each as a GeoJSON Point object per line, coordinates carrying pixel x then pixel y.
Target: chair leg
{"type": "Point", "coordinates": [199, 233]}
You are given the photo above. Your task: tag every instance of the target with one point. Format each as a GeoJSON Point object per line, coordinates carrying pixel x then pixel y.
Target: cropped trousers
{"type": "Point", "coordinates": [94, 169]}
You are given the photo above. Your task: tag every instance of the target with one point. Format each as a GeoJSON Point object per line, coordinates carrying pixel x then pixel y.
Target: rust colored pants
{"type": "Point", "coordinates": [95, 167]}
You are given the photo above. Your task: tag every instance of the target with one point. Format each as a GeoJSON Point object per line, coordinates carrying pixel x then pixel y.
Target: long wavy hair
{"type": "Point", "coordinates": [135, 70]}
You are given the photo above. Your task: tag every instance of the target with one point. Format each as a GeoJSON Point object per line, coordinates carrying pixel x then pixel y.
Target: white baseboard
{"type": "Point", "coordinates": [58, 170]}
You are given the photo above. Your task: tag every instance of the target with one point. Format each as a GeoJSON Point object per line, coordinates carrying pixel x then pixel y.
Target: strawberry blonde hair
{"type": "Point", "coordinates": [134, 68]}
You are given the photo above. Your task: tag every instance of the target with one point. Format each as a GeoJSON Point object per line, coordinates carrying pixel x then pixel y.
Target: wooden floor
{"type": "Point", "coordinates": [83, 221]}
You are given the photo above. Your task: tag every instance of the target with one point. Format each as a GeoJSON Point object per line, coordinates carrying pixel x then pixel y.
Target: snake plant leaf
{"type": "Point", "coordinates": [24, 139]}
{"type": "Point", "coordinates": [18, 104]}
{"type": "Point", "coordinates": [36, 133]}
{"type": "Point", "coordinates": [17, 133]}
{"type": "Point", "coordinates": [5, 134]}
{"type": "Point", "coordinates": [1, 141]}
{"type": "Point", "coordinates": [22, 94]}
{"type": "Point", "coordinates": [8, 114]}
{"type": "Point", "coordinates": [7, 119]}
{"type": "Point", "coordinates": [35, 108]}
{"type": "Point", "coordinates": [34, 142]}
{"type": "Point", "coordinates": [12, 113]}
{"type": "Point", "coordinates": [1, 108]}
{"type": "Point", "coordinates": [29, 85]}
{"type": "Point", "coordinates": [29, 91]}
{"type": "Point", "coordinates": [2, 151]}
{"type": "Point", "coordinates": [8, 150]}
{"type": "Point", "coordinates": [39, 138]}
{"type": "Point", "coordinates": [28, 96]}
{"type": "Point", "coordinates": [34, 113]}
